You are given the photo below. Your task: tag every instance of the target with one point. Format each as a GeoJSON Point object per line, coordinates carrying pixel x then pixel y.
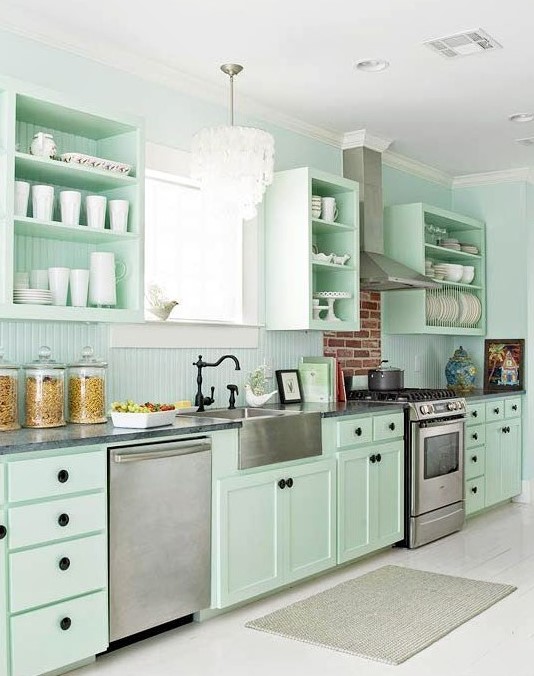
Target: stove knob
{"type": "Point", "coordinates": [431, 408]}
{"type": "Point", "coordinates": [451, 406]}
{"type": "Point", "coordinates": [423, 409]}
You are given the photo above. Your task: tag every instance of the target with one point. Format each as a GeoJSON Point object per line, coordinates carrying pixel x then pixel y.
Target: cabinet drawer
{"type": "Point", "coordinates": [474, 495]}
{"type": "Point", "coordinates": [495, 410]}
{"type": "Point", "coordinates": [475, 462]}
{"type": "Point", "coordinates": [46, 521]}
{"type": "Point", "coordinates": [475, 436]}
{"type": "Point", "coordinates": [476, 413]}
{"type": "Point", "coordinates": [512, 407]}
{"type": "Point", "coordinates": [60, 475]}
{"type": "Point", "coordinates": [388, 426]}
{"type": "Point", "coordinates": [36, 577]}
{"type": "Point", "coordinates": [2, 491]}
{"type": "Point", "coordinates": [39, 644]}
{"type": "Point", "coordinates": [354, 432]}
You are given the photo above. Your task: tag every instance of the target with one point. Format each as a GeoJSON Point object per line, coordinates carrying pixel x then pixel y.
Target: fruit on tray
{"type": "Point", "coordinates": [131, 407]}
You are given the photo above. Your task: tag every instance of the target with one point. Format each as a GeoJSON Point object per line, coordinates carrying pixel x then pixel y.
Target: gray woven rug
{"type": "Point", "coordinates": [387, 615]}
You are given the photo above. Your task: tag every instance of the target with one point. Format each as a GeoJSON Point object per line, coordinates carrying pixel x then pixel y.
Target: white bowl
{"type": "Point", "coordinates": [468, 276]}
{"type": "Point", "coordinates": [143, 420]}
{"type": "Point", "coordinates": [453, 275]}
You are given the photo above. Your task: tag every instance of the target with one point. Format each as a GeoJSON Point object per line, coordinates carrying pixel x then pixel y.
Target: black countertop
{"type": "Point", "coordinates": [487, 394]}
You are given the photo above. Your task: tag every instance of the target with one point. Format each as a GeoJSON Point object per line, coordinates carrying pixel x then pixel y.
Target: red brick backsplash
{"type": "Point", "coordinates": [358, 351]}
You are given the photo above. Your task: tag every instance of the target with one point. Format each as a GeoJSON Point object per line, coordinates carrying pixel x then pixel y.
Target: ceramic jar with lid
{"type": "Point", "coordinates": [44, 387]}
{"type": "Point", "coordinates": [9, 409]}
{"type": "Point", "coordinates": [87, 389]}
{"type": "Point", "coordinates": [460, 372]}
{"type": "Point", "coordinates": [43, 145]}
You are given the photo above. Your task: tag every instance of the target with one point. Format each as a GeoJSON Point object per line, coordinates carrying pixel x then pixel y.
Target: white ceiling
{"type": "Point", "coordinates": [299, 58]}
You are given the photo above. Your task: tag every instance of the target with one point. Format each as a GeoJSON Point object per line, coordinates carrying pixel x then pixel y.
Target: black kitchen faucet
{"type": "Point", "coordinates": [200, 399]}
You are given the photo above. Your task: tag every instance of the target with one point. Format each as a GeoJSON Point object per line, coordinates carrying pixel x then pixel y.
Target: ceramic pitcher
{"type": "Point", "coordinates": [43, 145]}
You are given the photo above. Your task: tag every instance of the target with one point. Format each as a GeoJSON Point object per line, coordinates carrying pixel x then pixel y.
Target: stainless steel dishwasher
{"type": "Point", "coordinates": [159, 533]}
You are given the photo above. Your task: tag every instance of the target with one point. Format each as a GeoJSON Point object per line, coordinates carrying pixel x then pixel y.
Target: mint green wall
{"type": "Point", "coordinates": [400, 187]}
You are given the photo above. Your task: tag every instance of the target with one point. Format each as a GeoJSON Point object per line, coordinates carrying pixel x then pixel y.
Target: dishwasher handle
{"type": "Point", "coordinates": [162, 451]}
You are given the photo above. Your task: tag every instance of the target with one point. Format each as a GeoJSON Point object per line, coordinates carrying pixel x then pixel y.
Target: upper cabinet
{"type": "Point", "coordinates": [450, 249]}
{"type": "Point", "coordinates": [32, 240]}
{"type": "Point", "coordinates": [312, 251]}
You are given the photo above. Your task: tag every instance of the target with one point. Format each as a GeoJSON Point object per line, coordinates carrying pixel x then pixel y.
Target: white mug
{"type": "Point", "coordinates": [22, 194]}
{"type": "Point", "coordinates": [58, 278]}
{"type": "Point", "coordinates": [79, 286]}
{"type": "Point", "coordinates": [70, 201]}
{"type": "Point", "coordinates": [118, 215]}
{"type": "Point", "coordinates": [328, 209]}
{"type": "Point", "coordinates": [103, 276]}
{"type": "Point", "coordinates": [39, 279]}
{"type": "Point", "coordinates": [43, 202]}
{"type": "Point", "coordinates": [96, 211]}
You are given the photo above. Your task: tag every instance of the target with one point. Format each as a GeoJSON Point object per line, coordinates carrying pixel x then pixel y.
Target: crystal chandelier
{"type": "Point", "coordinates": [234, 165]}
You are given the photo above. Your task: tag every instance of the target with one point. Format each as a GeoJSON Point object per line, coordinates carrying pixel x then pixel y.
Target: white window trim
{"type": "Point", "coordinates": [188, 334]}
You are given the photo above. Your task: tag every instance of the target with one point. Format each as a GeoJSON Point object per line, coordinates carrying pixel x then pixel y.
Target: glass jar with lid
{"type": "Point", "coordinates": [87, 389]}
{"type": "Point", "coordinates": [44, 386]}
{"type": "Point", "coordinates": [9, 409]}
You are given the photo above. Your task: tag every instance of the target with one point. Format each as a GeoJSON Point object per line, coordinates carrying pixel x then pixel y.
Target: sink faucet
{"type": "Point", "coordinates": [200, 399]}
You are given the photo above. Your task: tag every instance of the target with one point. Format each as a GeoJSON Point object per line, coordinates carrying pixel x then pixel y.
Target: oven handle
{"type": "Point", "coordinates": [423, 424]}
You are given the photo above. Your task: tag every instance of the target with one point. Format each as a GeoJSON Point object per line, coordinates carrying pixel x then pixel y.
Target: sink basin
{"type": "Point", "coordinates": [269, 436]}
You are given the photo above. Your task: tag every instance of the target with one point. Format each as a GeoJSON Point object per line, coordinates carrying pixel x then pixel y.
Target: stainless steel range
{"type": "Point", "coordinates": [434, 452]}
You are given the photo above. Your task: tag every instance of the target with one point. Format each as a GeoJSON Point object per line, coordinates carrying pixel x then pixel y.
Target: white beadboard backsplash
{"type": "Point", "coordinates": [431, 353]}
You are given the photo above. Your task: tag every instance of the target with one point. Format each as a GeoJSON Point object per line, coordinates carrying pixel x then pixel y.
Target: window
{"type": "Point", "coordinates": [193, 260]}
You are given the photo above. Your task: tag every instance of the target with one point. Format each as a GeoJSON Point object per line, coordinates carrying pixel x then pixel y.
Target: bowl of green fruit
{"type": "Point", "coordinates": [140, 416]}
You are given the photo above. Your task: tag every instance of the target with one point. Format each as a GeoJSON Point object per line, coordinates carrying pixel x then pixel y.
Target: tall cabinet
{"type": "Point", "coordinates": [299, 246]}
{"type": "Point", "coordinates": [28, 243]}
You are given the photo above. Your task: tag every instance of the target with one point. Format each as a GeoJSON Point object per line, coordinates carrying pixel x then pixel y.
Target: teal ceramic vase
{"type": "Point", "coordinates": [460, 372]}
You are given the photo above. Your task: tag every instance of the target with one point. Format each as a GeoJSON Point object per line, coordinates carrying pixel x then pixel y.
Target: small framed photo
{"type": "Point", "coordinates": [289, 387]}
{"type": "Point", "coordinates": [504, 364]}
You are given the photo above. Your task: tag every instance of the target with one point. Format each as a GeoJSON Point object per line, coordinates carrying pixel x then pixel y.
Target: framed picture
{"type": "Point", "coordinates": [503, 364]}
{"type": "Point", "coordinates": [289, 387]}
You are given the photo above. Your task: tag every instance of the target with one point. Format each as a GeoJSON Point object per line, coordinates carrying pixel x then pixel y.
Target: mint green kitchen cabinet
{"type": "Point", "coordinates": [503, 461]}
{"type": "Point", "coordinates": [3, 592]}
{"type": "Point", "coordinates": [274, 526]}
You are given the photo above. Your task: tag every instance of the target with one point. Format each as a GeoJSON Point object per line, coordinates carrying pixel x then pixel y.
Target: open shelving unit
{"type": "Point", "coordinates": [293, 275]}
{"type": "Point", "coordinates": [27, 243]}
{"type": "Point", "coordinates": [407, 239]}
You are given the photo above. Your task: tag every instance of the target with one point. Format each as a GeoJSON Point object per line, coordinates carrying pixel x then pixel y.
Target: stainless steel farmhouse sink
{"type": "Point", "coordinates": [268, 436]}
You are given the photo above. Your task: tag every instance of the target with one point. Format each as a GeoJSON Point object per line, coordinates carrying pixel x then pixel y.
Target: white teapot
{"type": "Point", "coordinates": [43, 145]}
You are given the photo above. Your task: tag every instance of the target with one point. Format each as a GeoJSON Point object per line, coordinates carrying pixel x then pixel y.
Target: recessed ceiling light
{"type": "Point", "coordinates": [521, 117]}
{"type": "Point", "coordinates": [372, 65]}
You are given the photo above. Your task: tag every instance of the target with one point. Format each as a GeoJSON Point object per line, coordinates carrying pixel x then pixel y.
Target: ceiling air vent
{"type": "Point", "coordinates": [528, 141]}
{"type": "Point", "coordinates": [463, 44]}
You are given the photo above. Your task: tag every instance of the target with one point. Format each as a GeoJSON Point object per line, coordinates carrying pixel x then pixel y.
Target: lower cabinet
{"type": "Point", "coordinates": [274, 527]}
{"type": "Point", "coordinates": [503, 460]}
{"type": "Point", "coordinates": [3, 590]}
{"type": "Point", "coordinates": [370, 499]}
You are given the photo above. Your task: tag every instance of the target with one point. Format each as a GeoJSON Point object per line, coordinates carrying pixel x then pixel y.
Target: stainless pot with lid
{"type": "Point", "coordinates": [385, 377]}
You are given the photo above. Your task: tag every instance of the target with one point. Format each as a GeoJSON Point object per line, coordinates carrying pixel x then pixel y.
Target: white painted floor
{"type": "Point", "coordinates": [496, 546]}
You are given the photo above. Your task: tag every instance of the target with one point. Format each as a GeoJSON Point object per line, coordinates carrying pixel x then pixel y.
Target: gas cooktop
{"type": "Point", "coordinates": [401, 396]}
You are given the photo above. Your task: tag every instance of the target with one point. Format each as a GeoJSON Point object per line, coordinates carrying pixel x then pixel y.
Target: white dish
{"type": "Point", "coordinates": [332, 294]}
{"type": "Point", "coordinates": [32, 302]}
{"type": "Point", "coordinates": [143, 420]}
{"type": "Point", "coordinates": [96, 162]}
{"type": "Point", "coordinates": [322, 257]}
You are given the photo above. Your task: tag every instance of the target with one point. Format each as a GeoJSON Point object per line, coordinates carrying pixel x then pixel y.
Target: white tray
{"type": "Point", "coordinates": [143, 420]}
{"type": "Point", "coordinates": [97, 162]}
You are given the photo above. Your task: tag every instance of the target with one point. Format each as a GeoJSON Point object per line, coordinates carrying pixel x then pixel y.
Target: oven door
{"type": "Point", "coordinates": [437, 457]}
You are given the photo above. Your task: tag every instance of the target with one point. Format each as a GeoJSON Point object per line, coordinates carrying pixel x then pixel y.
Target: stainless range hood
{"type": "Point", "coordinates": [377, 271]}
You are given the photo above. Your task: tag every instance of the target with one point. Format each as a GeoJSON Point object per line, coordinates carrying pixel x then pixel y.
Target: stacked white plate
{"type": "Point", "coordinates": [470, 309]}
{"type": "Point", "coordinates": [468, 248]}
{"type": "Point", "coordinates": [450, 271]}
{"type": "Point", "coordinates": [448, 309]}
{"type": "Point", "coordinates": [32, 296]}
{"type": "Point", "coordinates": [450, 243]}
{"type": "Point", "coordinates": [316, 206]}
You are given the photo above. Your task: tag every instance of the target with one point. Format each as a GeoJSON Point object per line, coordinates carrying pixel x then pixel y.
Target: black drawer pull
{"type": "Point", "coordinates": [3, 532]}
{"type": "Point", "coordinates": [282, 484]}
{"type": "Point", "coordinates": [474, 458]}
{"type": "Point", "coordinates": [65, 623]}
{"type": "Point", "coordinates": [62, 476]}
{"type": "Point", "coordinates": [392, 426]}
{"type": "Point", "coordinates": [474, 489]}
{"type": "Point", "coordinates": [496, 410]}
{"type": "Point", "coordinates": [63, 520]}
{"type": "Point", "coordinates": [372, 458]}
{"type": "Point", "coordinates": [289, 482]}
{"type": "Point", "coordinates": [358, 431]}
{"type": "Point", "coordinates": [378, 457]}
{"type": "Point", "coordinates": [475, 414]}
{"type": "Point", "coordinates": [514, 407]}
{"type": "Point", "coordinates": [64, 563]}
{"type": "Point", "coordinates": [475, 436]}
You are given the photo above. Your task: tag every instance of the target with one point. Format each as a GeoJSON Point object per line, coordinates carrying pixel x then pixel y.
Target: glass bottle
{"type": "Point", "coordinates": [9, 408]}
{"type": "Point", "coordinates": [44, 386]}
{"type": "Point", "coordinates": [87, 389]}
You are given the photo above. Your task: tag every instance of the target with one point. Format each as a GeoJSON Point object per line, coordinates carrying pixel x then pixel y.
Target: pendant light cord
{"type": "Point", "coordinates": [231, 69]}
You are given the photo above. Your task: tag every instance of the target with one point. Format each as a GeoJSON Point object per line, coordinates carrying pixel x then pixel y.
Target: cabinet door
{"type": "Point", "coordinates": [388, 513]}
{"type": "Point", "coordinates": [3, 595]}
{"type": "Point", "coordinates": [493, 472]}
{"type": "Point", "coordinates": [247, 551]}
{"type": "Point", "coordinates": [310, 522]}
{"type": "Point", "coordinates": [354, 504]}
{"type": "Point", "coordinates": [511, 459]}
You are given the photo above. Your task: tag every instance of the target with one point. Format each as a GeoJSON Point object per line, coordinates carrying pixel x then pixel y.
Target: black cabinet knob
{"type": "Point", "coordinates": [372, 458]}
{"type": "Point", "coordinates": [64, 563]}
{"type": "Point", "coordinates": [474, 489]}
{"type": "Point", "coordinates": [358, 431]}
{"type": "Point", "coordinates": [392, 426]}
{"type": "Point", "coordinates": [378, 457]}
{"type": "Point", "coordinates": [62, 476]}
{"type": "Point", "coordinates": [65, 623]}
{"type": "Point", "coordinates": [507, 430]}
{"type": "Point", "coordinates": [475, 436]}
{"type": "Point", "coordinates": [282, 484]}
{"type": "Point", "coordinates": [474, 414]}
{"type": "Point", "coordinates": [514, 407]}
{"type": "Point", "coordinates": [496, 410]}
{"type": "Point", "coordinates": [3, 532]}
{"type": "Point", "coordinates": [289, 482]}
{"type": "Point", "coordinates": [474, 458]}
{"type": "Point", "coordinates": [63, 520]}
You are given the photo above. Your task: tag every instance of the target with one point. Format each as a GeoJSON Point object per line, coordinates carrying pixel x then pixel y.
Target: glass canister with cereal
{"type": "Point", "coordinates": [87, 389]}
{"type": "Point", "coordinates": [44, 387]}
{"type": "Point", "coordinates": [9, 409]}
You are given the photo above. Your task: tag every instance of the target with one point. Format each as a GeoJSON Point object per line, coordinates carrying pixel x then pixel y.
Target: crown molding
{"type": "Point", "coordinates": [420, 169]}
{"type": "Point", "coordinates": [522, 175]}
{"type": "Point", "coordinates": [362, 138]}
{"type": "Point", "coordinates": [173, 78]}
